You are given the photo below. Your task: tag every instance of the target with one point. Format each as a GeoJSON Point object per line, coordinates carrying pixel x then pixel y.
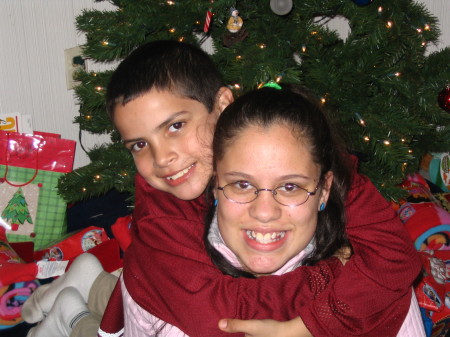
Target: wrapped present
{"type": "Point", "coordinates": [73, 244]}
{"type": "Point", "coordinates": [433, 291]}
{"type": "Point", "coordinates": [18, 280]}
{"type": "Point", "coordinates": [437, 167]}
{"type": "Point", "coordinates": [121, 231]}
{"type": "Point", "coordinates": [91, 239]}
{"type": "Point", "coordinates": [30, 166]}
{"type": "Point", "coordinates": [427, 222]}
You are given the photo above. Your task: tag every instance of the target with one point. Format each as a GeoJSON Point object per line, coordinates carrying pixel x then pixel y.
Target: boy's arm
{"type": "Point", "coordinates": [184, 289]}
{"type": "Point", "coordinates": [372, 291]}
{"type": "Point", "coordinates": [175, 280]}
{"type": "Point", "coordinates": [381, 271]}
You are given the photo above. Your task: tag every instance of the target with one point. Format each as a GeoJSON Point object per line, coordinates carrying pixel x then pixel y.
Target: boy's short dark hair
{"type": "Point", "coordinates": [180, 68]}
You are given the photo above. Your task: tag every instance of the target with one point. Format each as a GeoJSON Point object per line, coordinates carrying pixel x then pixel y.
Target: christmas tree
{"type": "Point", "coordinates": [379, 82]}
{"type": "Point", "coordinates": [17, 210]}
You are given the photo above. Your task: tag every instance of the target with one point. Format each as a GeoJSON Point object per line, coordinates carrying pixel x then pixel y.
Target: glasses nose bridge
{"type": "Point", "coordinates": [272, 191]}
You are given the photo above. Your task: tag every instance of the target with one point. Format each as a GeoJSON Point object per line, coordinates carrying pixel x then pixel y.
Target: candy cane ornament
{"type": "Point", "coordinates": [207, 20]}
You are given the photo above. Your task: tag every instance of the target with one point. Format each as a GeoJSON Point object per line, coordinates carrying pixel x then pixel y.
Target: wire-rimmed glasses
{"type": "Point", "coordinates": [242, 192]}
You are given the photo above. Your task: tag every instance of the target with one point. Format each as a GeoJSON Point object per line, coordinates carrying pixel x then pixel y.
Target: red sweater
{"type": "Point", "coordinates": [167, 272]}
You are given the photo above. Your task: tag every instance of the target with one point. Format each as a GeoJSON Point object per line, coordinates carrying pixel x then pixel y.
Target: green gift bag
{"type": "Point", "coordinates": [30, 166]}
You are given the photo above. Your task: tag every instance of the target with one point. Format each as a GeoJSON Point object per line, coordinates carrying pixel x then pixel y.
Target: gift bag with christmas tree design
{"type": "Point", "coordinates": [30, 166]}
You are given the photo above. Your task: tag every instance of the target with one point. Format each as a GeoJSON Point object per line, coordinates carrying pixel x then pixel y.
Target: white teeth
{"type": "Point", "coordinates": [179, 174]}
{"type": "Point", "coordinates": [265, 238]}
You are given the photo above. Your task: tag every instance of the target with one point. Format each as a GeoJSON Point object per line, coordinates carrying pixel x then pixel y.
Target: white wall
{"type": "Point", "coordinates": [33, 37]}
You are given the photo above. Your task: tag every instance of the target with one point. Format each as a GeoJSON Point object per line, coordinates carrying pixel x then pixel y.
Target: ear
{"type": "Point", "coordinates": [224, 98]}
{"type": "Point", "coordinates": [326, 187]}
{"type": "Point", "coordinates": [215, 185]}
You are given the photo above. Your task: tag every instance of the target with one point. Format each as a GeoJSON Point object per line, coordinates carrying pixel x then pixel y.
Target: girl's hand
{"type": "Point", "coordinates": [265, 327]}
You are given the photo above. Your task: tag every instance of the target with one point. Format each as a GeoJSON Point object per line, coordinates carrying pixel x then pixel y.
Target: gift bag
{"type": "Point", "coordinates": [30, 166]}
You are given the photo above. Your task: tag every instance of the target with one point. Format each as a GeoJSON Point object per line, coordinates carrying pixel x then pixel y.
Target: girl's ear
{"type": "Point", "coordinates": [215, 186]}
{"type": "Point", "coordinates": [326, 187]}
{"type": "Point", "coordinates": [224, 98]}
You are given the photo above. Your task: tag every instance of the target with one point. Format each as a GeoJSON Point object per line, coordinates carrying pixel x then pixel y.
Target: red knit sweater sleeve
{"type": "Point", "coordinates": [169, 274]}
{"type": "Point", "coordinates": [372, 294]}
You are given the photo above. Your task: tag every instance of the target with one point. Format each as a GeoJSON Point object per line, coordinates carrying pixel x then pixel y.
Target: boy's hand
{"type": "Point", "coordinates": [265, 327]}
{"type": "Point", "coordinates": [344, 254]}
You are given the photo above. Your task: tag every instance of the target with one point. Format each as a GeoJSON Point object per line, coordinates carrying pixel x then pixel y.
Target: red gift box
{"type": "Point", "coordinates": [73, 245]}
{"type": "Point", "coordinates": [91, 239]}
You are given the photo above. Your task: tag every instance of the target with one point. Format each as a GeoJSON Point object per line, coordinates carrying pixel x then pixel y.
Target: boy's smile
{"type": "Point", "coordinates": [170, 138]}
{"type": "Point", "coordinates": [180, 176]}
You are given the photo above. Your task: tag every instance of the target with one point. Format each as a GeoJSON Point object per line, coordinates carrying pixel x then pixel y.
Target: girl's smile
{"type": "Point", "coordinates": [265, 241]}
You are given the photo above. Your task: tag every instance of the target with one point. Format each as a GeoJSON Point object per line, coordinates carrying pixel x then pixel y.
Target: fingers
{"type": "Point", "coordinates": [237, 325]}
{"type": "Point", "coordinates": [265, 327]}
{"type": "Point", "coordinates": [344, 254]}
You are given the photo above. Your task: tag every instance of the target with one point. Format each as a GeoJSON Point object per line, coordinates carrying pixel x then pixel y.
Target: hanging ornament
{"type": "Point", "coordinates": [362, 2]}
{"type": "Point", "coordinates": [281, 7]}
{"type": "Point", "coordinates": [235, 22]}
{"type": "Point", "coordinates": [234, 26]}
{"type": "Point", "coordinates": [207, 20]}
{"type": "Point", "coordinates": [444, 99]}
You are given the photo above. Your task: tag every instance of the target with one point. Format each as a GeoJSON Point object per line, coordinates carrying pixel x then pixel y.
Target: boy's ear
{"type": "Point", "coordinates": [224, 98]}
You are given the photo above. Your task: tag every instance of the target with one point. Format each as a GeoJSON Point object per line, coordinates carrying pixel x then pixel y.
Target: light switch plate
{"type": "Point", "coordinates": [73, 61]}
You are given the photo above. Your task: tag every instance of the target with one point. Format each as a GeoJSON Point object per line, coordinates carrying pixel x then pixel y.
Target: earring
{"type": "Point", "coordinates": [216, 202]}
{"type": "Point", "coordinates": [322, 206]}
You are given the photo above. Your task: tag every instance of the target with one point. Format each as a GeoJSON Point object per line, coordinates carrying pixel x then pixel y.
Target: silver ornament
{"type": "Point", "coordinates": [281, 7]}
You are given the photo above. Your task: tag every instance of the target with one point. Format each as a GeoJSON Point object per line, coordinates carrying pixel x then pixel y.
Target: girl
{"type": "Point", "coordinates": [279, 187]}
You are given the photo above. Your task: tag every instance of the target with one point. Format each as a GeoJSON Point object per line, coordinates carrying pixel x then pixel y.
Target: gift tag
{"type": "Point", "coordinates": [48, 269]}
